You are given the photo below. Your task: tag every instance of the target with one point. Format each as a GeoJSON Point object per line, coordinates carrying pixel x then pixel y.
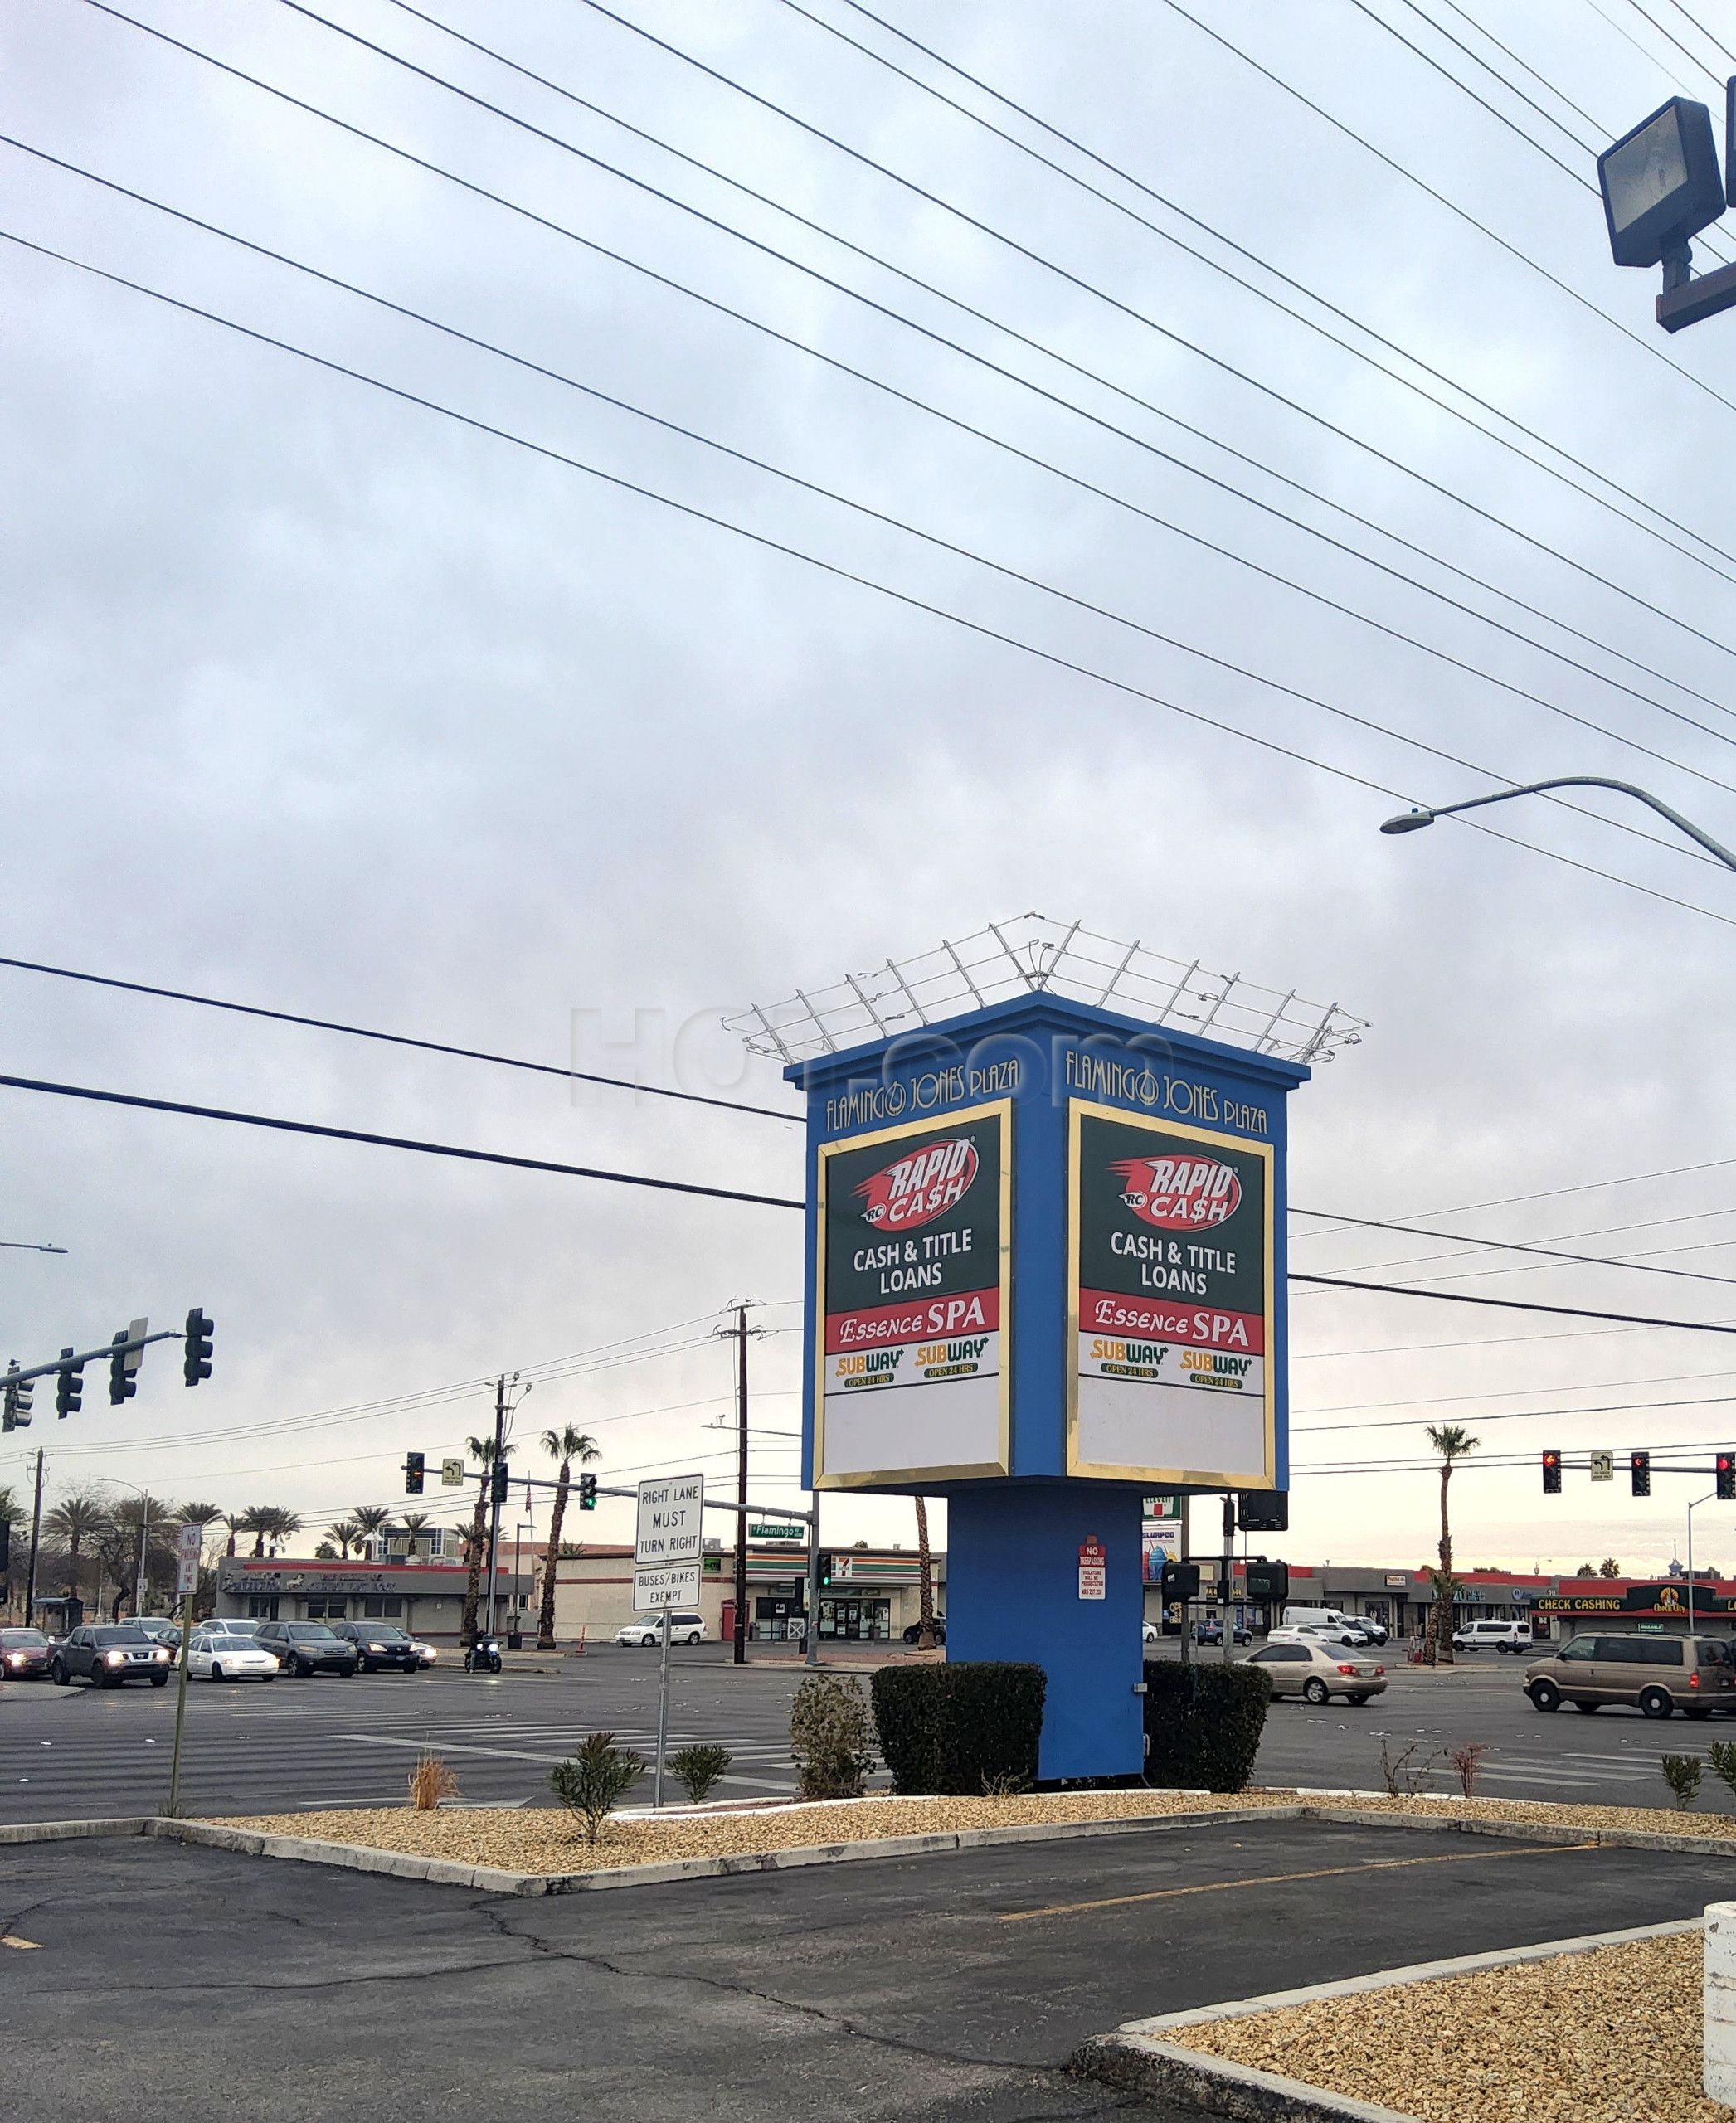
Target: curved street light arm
{"type": "Point", "coordinates": [1408, 822]}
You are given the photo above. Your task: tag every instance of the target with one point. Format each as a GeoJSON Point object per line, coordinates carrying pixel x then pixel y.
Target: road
{"type": "Point", "coordinates": [156, 1983]}
{"type": "Point", "coordinates": [68, 1753]}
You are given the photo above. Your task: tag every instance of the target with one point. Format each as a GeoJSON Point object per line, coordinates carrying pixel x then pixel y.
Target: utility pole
{"type": "Point", "coordinates": [494, 1467]}
{"type": "Point", "coordinates": [144, 1529]}
{"type": "Point", "coordinates": [739, 1649]}
{"type": "Point", "coordinates": [1229, 1564]}
{"type": "Point", "coordinates": [36, 1529]}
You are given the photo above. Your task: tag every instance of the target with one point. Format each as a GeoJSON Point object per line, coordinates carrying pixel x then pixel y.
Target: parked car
{"type": "Point", "coordinates": [915, 1630]}
{"type": "Point", "coordinates": [1311, 1667]}
{"type": "Point", "coordinates": [305, 1649]}
{"type": "Point", "coordinates": [1347, 1633]}
{"type": "Point", "coordinates": [1502, 1637]}
{"type": "Point", "coordinates": [380, 1645]}
{"type": "Point", "coordinates": [160, 1629]}
{"type": "Point", "coordinates": [648, 1630]}
{"type": "Point", "coordinates": [225, 1655]}
{"type": "Point", "coordinates": [1652, 1674]}
{"type": "Point", "coordinates": [24, 1655]}
{"type": "Point", "coordinates": [1211, 1631]}
{"type": "Point", "coordinates": [108, 1655]}
{"type": "Point", "coordinates": [1151, 1632]}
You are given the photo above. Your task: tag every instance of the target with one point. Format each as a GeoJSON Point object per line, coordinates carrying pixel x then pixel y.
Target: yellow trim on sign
{"type": "Point", "coordinates": [1002, 1110]}
{"type": "Point", "coordinates": [1202, 1478]}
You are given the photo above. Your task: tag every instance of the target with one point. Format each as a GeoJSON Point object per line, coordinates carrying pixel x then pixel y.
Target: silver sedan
{"type": "Point", "coordinates": [1318, 1671]}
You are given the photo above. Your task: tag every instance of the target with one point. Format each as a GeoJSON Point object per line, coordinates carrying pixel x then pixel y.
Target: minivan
{"type": "Point", "coordinates": [1654, 1675]}
{"type": "Point", "coordinates": [1503, 1636]}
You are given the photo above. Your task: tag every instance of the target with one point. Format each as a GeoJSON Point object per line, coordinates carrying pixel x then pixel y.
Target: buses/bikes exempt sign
{"type": "Point", "coordinates": [666, 1543]}
{"type": "Point", "coordinates": [912, 1295]}
{"type": "Point", "coordinates": [1170, 1274]}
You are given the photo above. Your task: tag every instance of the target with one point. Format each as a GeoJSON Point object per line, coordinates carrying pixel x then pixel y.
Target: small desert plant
{"type": "Point", "coordinates": [699, 1767]}
{"type": "Point", "coordinates": [597, 1776]}
{"type": "Point", "coordinates": [1005, 1784]}
{"type": "Point", "coordinates": [1682, 1773]}
{"type": "Point", "coordinates": [831, 1736]}
{"type": "Point", "coordinates": [1402, 1774]}
{"type": "Point", "coordinates": [1468, 1762]}
{"type": "Point", "coordinates": [1722, 1755]}
{"type": "Point", "coordinates": [430, 1782]}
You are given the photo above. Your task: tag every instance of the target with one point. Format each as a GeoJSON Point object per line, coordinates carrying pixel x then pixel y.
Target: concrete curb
{"type": "Point", "coordinates": [1615, 1838]}
{"type": "Point", "coordinates": [1137, 2056]}
{"type": "Point", "coordinates": [16, 1832]}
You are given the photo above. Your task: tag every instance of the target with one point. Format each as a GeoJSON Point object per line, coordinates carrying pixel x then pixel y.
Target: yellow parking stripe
{"type": "Point", "coordinates": [1281, 1879]}
{"type": "Point", "coordinates": [24, 1945]}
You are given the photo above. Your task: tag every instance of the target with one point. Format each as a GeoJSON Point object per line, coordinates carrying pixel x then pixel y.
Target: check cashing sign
{"type": "Point", "coordinates": [913, 1295]}
{"type": "Point", "coordinates": [1170, 1303]}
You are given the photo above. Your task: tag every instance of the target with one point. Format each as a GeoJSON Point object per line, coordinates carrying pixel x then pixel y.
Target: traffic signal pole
{"type": "Point", "coordinates": [36, 1529]}
{"type": "Point", "coordinates": [738, 1652]}
{"type": "Point", "coordinates": [494, 1467]}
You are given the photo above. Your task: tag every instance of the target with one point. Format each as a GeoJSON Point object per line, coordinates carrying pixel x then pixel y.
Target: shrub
{"type": "Point", "coordinates": [830, 1737]}
{"type": "Point", "coordinates": [430, 1782]}
{"type": "Point", "coordinates": [592, 1782]}
{"type": "Point", "coordinates": [700, 1766]}
{"type": "Point", "coordinates": [1722, 1755]}
{"type": "Point", "coordinates": [1203, 1724]}
{"type": "Point", "coordinates": [962, 1729]}
{"type": "Point", "coordinates": [1682, 1773]}
{"type": "Point", "coordinates": [1402, 1775]}
{"type": "Point", "coordinates": [1468, 1762]}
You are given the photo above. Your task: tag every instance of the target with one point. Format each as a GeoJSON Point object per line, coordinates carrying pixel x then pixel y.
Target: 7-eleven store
{"type": "Point", "coordinates": [873, 1597]}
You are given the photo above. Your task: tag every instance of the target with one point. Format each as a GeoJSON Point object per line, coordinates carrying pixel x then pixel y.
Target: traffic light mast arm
{"type": "Point", "coordinates": [101, 1354]}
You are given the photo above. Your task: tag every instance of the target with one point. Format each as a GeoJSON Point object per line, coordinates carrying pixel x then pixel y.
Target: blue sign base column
{"type": "Point", "coordinates": [1013, 1592]}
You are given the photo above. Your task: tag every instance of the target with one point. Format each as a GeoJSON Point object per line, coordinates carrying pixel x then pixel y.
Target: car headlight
{"type": "Point", "coordinates": [15, 1658]}
{"type": "Point", "coordinates": [159, 1655]}
{"type": "Point", "coordinates": [377, 1646]}
{"type": "Point", "coordinates": [115, 1658]}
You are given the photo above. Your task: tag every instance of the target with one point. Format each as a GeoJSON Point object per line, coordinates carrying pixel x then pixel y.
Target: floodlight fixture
{"type": "Point", "coordinates": [1661, 186]}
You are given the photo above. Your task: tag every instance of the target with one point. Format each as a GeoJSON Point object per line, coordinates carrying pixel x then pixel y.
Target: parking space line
{"type": "Point", "coordinates": [1282, 1879]}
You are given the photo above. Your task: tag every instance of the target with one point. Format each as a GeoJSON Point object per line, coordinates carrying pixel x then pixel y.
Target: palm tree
{"type": "Point", "coordinates": [237, 1522]}
{"type": "Point", "coordinates": [482, 1449]}
{"type": "Point", "coordinates": [75, 1520]}
{"type": "Point", "coordinates": [369, 1519]}
{"type": "Point", "coordinates": [1452, 1441]}
{"type": "Point", "coordinates": [566, 1446]}
{"type": "Point", "coordinates": [346, 1533]}
{"type": "Point", "coordinates": [256, 1520]}
{"type": "Point", "coordinates": [925, 1581]}
{"type": "Point", "coordinates": [286, 1525]}
{"type": "Point", "coordinates": [196, 1514]}
{"type": "Point", "coordinates": [414, 1524]}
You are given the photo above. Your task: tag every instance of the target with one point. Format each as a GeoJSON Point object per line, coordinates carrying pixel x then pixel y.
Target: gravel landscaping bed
{"type": "Point", "coordinates": [548, 1839]}
{"type": "Point", "coordinates": [1612, 2036]}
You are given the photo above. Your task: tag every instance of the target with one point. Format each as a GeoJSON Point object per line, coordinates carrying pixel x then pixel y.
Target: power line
{"type": "Point", "coordinates": [1265, 265]}
{"type": "Point", "coordinates": [1022, 251]}
{"type": "Point", "coordinates": [1501, 1304]}
{"type": "Point", "coordinates": [1510, 1245]}
{"type": "Point", "coordinates": [1716, 43]}
{"type": "Point", "coordinates": [1518, 1415]}
{"type": "Point", "coordinates": [1582, 1187]}
{"type": "Point", "coordinates": [834, 569]}
{"type": "Point", "coordinates": [1460, 213]}
{"type": "Point", "coordinates": [1692, 58]}
{"type": "Point", "coordinates": [396, 1142]}
{"type": "Point", "coordinates": [959, 424]}
{"type": "Point", "coordinates": [387, 1038]}
{"type": "Point", "coordinates": [795, 479]}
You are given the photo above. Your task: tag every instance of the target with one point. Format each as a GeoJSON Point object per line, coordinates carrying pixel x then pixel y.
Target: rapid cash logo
{"type": "Point", "coordinates": [1179, 1194]}
{"type": "Point", "coordinates": [922, 1185]}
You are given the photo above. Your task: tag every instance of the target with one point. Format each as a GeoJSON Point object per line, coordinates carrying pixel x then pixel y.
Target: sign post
{"type": "Point", "coordinates": [666, 1563]}
{"type": "Point", "coordinates": [189, 1548]}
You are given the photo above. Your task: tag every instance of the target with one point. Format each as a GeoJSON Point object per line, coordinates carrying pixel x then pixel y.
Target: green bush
{"type": "Point", "coordinates": [1203, 1724]}
{"type": "Point", "coordinates": [595, 1781]}
{"type": "Point", "coordinates": [830, 1737]}
{"type": "Point", "coordinates": [962, 1729]}
{"type": "Point", "coordinates": [699, 1767]}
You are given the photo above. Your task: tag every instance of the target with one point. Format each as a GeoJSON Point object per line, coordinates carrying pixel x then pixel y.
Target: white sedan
{"type": "Point", "coordinates": [219, 1656]}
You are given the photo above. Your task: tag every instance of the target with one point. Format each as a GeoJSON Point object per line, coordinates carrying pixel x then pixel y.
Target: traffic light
{"type": "Point", "coordinates": [196, 1363]}
{"type": "Point", "coordinates": [122, 1384]}
{"type": "Point", "coordinates": [1639, 1466]}
{"type": "Point", "coordinates": [415, 1464]}
{"type": "Point", "coordinates": [68, 1392]}
{"type": "Point", "coordinates": [1263, 1511]}
{"type": "Point", "coordinates": [1180, 1580]}
{"type": "Point", "coordinates": [1269, 1583]}
{"type": "Point", "coordinates": [824, 1560]}
{"type": "Point", "coordinates": [501, 1485]}
{"type": "Point", "coordinates": [1551, 1473]}
{"type": "Point", "coordinates": [587, 1492]}
{"type": "Point", "coordinates": [18, 1399]}
{"type": "Point", "coordinates": [1727, 1478]}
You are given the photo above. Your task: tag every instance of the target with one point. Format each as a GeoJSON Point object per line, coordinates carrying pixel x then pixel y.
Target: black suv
{"type": "Point", "coordinates": [107, 1655]}
{"type": "Point", "coordinates": [380, 1644]}
{"type": "Point", "coordinates": [305, 1649]}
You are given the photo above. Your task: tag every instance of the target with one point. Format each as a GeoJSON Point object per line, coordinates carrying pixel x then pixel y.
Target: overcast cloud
{"type": "Point", "coordinates": [317, 699]}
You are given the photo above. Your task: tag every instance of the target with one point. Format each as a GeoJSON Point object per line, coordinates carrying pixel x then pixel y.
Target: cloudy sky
{"type": "Point", "coordinates": [318, 699]}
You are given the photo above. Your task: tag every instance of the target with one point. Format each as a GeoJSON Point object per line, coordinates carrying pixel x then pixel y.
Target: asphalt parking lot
{"type": "Point", "coordinates": [153, 1982]}
{"type": "Point", "coordinates": [68, 1753]}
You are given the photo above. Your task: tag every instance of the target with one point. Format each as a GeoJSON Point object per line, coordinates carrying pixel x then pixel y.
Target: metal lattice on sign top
{"type": "Point", "coordinates": [1037, 954]}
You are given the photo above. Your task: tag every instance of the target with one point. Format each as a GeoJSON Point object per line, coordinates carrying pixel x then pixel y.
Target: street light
{"type": "Point", "coordinates": [1661, 187]}
{"type": "Point", "coordinates": [1413, 821]}
{"type": "Point", "coordinates": [1692, 1508]}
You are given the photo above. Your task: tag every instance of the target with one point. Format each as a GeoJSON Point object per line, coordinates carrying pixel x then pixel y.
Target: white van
{"type": "Point", "coordinates": [1503, 1636]}
{"type": "Point", "coordinates": [1334, 1619]}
